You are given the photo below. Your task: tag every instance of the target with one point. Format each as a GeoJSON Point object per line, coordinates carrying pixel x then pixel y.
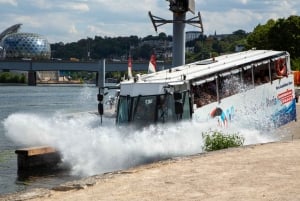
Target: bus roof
{"type": "Point", "coordinates": [206, 69]}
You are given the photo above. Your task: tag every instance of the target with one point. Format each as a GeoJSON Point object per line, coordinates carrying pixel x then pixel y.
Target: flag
{"type": "Point", "coordinates": [152, 64]}
{"type": "Point", "coordinates": [129, 67]}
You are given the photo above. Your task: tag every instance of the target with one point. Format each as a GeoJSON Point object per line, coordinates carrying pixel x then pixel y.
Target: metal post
{"type": "Point", "coordinates": [217, 89]}
{"type": "Point", "coordinates": [101, 85]}
{"type": "Point", "coordinates": [101, 74]}
{"type": "Point", "coordinates": [270, 72]}
{"type": "Point", "coordinates": [178, 39]}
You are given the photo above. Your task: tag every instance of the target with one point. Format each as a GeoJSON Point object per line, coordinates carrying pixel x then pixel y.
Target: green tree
{"type": "Point", "coordinates": [8, 77]}
{"type": "Point", "coordinates": [285, 35]}
{"type": "Point", "coordinates": [282, 34]}
{"type": "Point", "coordinates": [259, 37]}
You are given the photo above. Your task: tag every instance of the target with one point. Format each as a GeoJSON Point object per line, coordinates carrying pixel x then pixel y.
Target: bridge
{"type": "Point", "coordinates": [101, 66]}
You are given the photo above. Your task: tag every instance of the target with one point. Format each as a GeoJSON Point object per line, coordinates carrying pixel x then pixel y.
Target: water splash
{"type": "Point", "coordinates": [91, 148]}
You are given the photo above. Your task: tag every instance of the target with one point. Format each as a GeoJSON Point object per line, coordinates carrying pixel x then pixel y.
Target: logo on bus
{"type": "Point", "coordinates": [286, 96]}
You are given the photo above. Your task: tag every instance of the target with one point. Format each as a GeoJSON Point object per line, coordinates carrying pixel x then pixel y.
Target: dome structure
{"type": "Point", "coordinates": [26, 45]}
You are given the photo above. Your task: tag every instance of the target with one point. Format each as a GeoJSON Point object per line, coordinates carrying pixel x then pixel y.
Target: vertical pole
{"type": "Point", "coordinates": [217, 89]}
{"type": "Point", "coordinates": [32, 78]}
{"type": "Point", "coordinates": [270, 72]}
{"type": "Point", "coordinates": [178, 39]}
{"type": "Point", "coordinates": [252, 73]}
{"type": "Point", "coordinates": [101, 75]}
{"type": "Point", "coordinates": [101, 85]}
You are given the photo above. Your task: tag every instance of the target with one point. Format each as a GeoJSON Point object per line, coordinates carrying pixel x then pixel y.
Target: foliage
{"type": "Point", "coordinates": [258, 38]}
{"type": "Point", "coordinates": [106, 47]}
{"type": "Point", "coordinates": [296, 64]}
{"type": "Point", "coordinates": [282, 34]}
{"type": "Point", "coordinates": [214, 45]}
{"type": "Point", "coordinates": [285, 35]}
{"type": "Point", "coordinates": [7, 77]}
{"type": "Point", "coordinates": [216, 140]}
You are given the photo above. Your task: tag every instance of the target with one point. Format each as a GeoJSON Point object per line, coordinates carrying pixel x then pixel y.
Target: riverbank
{"type": "Point", "coordinates": [256, 172]}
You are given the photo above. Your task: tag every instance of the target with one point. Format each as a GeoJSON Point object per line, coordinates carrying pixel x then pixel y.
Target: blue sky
{"type": "Point", "coordinates": [71, 20]}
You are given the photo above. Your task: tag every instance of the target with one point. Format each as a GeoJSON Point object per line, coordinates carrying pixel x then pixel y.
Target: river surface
{"type": "Point", "coordinates": [40, 101]}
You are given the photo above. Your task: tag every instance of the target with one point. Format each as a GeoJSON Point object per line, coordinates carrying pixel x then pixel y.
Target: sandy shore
{"type": "Point", "coordinates": [258, 172]}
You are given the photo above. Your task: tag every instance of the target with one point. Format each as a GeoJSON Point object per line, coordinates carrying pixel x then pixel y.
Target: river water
{"type": "Point", "coordinates": [41, 101]}
{"type": "Point", "coordinates": [60, 116]}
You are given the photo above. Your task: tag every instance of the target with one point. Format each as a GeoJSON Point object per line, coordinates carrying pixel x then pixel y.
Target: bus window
{"type": "Point", "coordinates": [279, 69]}
{"type": "Point", "coordinates": [165, 108]}
{"type": "Point", "coordinates": [144, 110]}
{"type": "Point", "coordinates": [247, 77]}
{"type": "Point", "coordinates": [123, 110]}
{"type": "Point", "coordinates": [186, 106]}
{"type": "Point", "coordinates": [205, 93]}
{"type": "Point", "coordinates": [261, 74]}
{"type": "Point", "coordinates": [230, 85]}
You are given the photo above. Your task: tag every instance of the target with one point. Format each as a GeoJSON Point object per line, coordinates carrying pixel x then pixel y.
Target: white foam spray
{"type": "Point", "coordinates": [91, 148]}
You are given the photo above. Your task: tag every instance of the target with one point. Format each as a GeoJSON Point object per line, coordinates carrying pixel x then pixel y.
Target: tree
{"type": "Point", "coordinates": [282, 34]}
{"type": "Point", "coordinates": [285, 35]}
{"type": "Point", "coordinates": [259, 37]}
{"type": "Point", "coordinates": [240, 32]}
{"type": "Point", "coordinates": [162, 36]}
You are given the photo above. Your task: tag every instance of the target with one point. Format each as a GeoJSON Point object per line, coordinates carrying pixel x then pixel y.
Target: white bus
{"type": "Point", "coordinates": [254, 83]}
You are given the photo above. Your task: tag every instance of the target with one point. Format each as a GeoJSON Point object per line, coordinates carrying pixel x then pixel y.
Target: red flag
{"type": "Point", "coordinates": [129, 67]}
{"type": "Point", "coordinates": [152, 64]}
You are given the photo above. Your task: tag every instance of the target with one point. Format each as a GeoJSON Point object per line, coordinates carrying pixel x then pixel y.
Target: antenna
{"type": "Point", "coordinates": [179, 9]}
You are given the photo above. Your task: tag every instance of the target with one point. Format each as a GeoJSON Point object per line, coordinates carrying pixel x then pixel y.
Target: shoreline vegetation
{"type": "Point", "coordinates": [14, 78]}
{"type": "Point", "coordinates": [8, 77]}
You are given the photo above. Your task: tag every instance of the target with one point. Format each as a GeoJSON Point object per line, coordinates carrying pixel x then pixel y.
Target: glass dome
{"type": "Point", "coordinates": [26, 45]}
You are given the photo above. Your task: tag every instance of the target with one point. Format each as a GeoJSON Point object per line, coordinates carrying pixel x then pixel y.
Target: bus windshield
{"type": "Point", "coordinates": [145, 110]}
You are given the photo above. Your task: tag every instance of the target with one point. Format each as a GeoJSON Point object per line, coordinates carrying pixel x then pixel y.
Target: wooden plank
{"type": "Point", "coordinates": [36, 157]}
{"type": "Point", "coordinates": [32, 151]}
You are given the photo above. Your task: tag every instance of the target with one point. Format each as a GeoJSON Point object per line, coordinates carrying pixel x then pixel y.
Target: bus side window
{"type": "Point", "coordinates": [247, 77]}
{"type": "Point", "coordinates": [205, 93]}
{"type": "Point", "coordinates": [261, 74]}
{"type": "Point", "coordinates": [230, 85]}
{"type": "Point", "coordinates": [276, 74]}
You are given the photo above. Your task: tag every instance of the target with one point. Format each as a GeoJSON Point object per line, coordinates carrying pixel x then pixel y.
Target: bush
{"type": "Point", "coordinates": [7, 77]}
{"type": "Point", "coordinates": [216, 140]}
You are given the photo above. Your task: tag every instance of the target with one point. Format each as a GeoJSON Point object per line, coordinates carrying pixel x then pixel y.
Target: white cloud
{"type": "Point", "coordinates": [243, 1]}
{"type": "Point", "coordinates": [41, 4]}
{"type": "Point", "coordinates": [132, 6]}
{"type": "Point", "coordinates": [69, 21]}
{"type": "Point", "coordinates": [230, 21]}
{"type": "Point", "coordinates": [82, 7]}
{"type": "Point", "coordinates": [11, 2]}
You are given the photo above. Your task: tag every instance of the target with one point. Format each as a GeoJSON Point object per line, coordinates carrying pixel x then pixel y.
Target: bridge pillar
{"type": "Point", "coordinates": [32, 78]}
{"type": "Point", "coordinates": [100, 76]}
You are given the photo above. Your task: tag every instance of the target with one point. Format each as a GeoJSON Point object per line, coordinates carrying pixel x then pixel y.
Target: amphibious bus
{"type": "Point", "coordinates": [253, 83]}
